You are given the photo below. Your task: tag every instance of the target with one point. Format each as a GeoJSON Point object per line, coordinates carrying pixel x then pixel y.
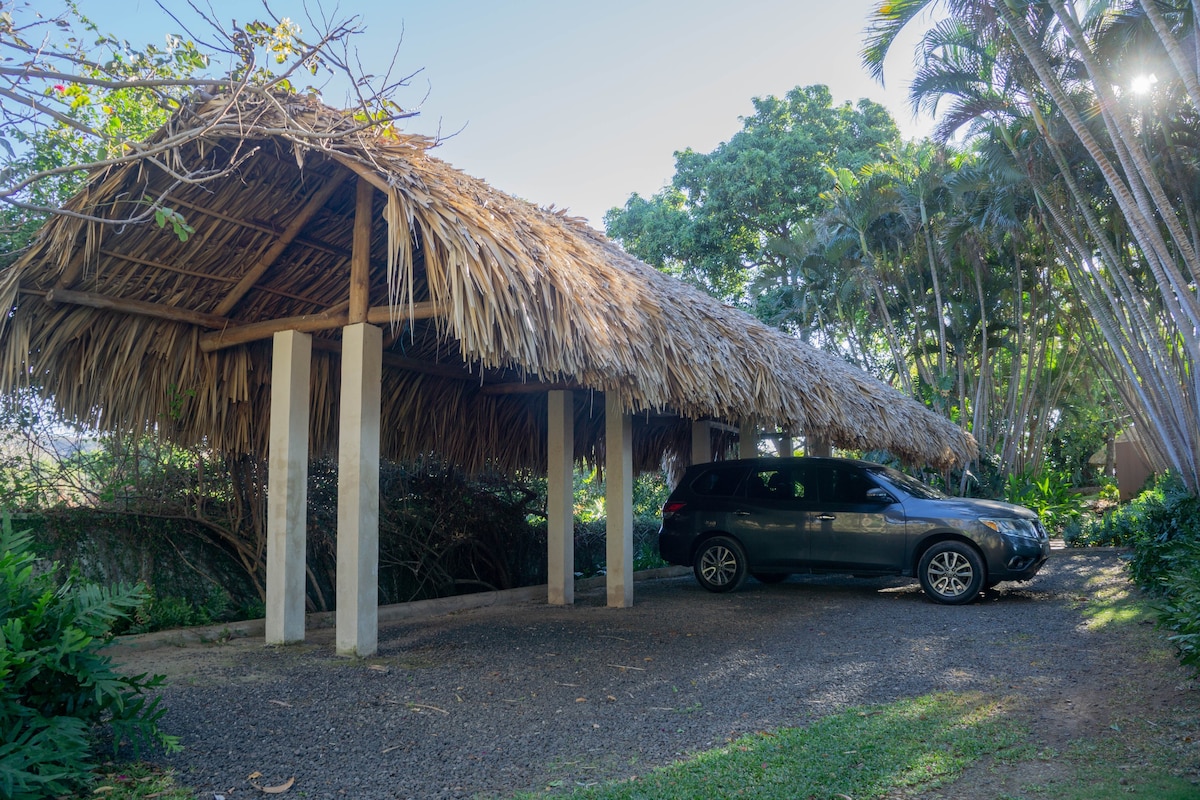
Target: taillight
{"type": "Point", "coordinates": [673, 507]}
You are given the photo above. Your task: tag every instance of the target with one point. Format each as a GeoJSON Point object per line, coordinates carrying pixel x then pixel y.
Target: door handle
{"type": "Point", "coordinates": [741, 513]}
{"type": "Point", "coordinates": [826, 517]}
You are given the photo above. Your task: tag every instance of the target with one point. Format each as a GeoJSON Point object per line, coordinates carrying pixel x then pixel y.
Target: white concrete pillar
{"type": "Point", "coordinates": [560, 499]}
{"type": "Point", "coordinates": [357, 616]}
{"type": "Point", "coordinates": [287, 486]}
{"type": "Point", "coordinates": [618, 500]}
{"type": "Point", "coordinates": [701, 442]}
{"type": "Point", "coordinates": [747, 440]}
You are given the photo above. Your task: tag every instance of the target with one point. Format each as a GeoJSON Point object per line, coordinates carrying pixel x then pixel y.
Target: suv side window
{"type": "Point", "coordinates": [842, 484]}
{"type": "Point", "coordinates": [781, 483]}
{"type": "Point", "coordinates": [717, 482]}
{"type": "Point", "coordinates": [768, 484]}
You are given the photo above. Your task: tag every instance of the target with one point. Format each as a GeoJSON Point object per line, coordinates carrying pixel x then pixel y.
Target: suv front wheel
{"type": "Point", "coordinates": [720, 564]}
{"type": "Point", "coordinates": [951, 572]}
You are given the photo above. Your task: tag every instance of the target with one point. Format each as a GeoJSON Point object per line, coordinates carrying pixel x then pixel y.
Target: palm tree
{"type": "Point", "coordinates": [923, 190]}
{"type": "Point", "coordinates": [857, 201]}
{"type": "Point", "coordinates": [1122, 219]}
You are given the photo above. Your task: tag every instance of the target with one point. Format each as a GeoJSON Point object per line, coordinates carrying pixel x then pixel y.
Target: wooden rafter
{"type": "Point", "coordinates": [139, 307]}
{"type": "Point", "coordinates": [314, 204]}
{"type": "Point", "coordinates": [527, 388]}
{"type": "Point", "coordinates": [225, 332]}
{"type": "Point", "coordinates": [404, 362]}
{"type": "Point", "coordinates": [307, 241]}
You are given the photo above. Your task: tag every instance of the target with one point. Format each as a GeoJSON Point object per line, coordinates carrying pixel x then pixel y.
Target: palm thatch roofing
{"type": "Point", "coordinates": [487, 302]}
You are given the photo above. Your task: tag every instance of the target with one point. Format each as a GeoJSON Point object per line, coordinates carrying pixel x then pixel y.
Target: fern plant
{"type": "Point", "coordinates": [57, 688]}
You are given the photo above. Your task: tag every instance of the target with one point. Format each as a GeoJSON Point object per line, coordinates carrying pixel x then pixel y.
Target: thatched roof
{"type": "Point", "coordinates": [491, 301]}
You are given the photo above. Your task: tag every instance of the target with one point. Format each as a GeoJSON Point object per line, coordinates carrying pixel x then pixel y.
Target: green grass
{"type": "Point", "coordinates": [861, 753]}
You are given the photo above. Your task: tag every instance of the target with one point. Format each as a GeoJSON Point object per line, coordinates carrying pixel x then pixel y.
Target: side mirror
{"type": "Point", "coordinates": [878, 495]}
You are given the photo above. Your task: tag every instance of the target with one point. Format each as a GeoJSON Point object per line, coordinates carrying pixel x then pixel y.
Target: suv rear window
{"type": "Point", "coordinates": [717, 482]}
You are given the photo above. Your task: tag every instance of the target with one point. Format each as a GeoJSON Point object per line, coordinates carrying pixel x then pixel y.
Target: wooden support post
{"type": "Point", "coordinates": [815, 445]}
{"type": "Point", "coordinates": [357, 615]}
{"type": "Point", "coordinates": [287, 487]}
{"type": "Point", "coordinates": [560, 516]}
{"type": "Point", "coordinates": [360, 258]}
{"type": "Point", "coordinates": [618, 499]}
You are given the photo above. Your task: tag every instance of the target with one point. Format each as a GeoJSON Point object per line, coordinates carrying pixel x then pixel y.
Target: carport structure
{"type": "Point", "coordinates": [345, 292]}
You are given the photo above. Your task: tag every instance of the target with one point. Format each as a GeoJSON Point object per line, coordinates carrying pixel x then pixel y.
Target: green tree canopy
{"type": "Point", "coordinates": [726, 212]}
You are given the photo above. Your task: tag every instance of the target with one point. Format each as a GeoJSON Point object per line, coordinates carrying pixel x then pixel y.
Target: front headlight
{"type": "Point", "coordinates": [1011, 526]}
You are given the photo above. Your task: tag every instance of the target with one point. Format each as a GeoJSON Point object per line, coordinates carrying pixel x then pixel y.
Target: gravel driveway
{"type": "Point", "coordinates": [494, 700]}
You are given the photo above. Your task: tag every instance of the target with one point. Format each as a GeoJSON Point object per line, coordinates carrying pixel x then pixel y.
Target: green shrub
{"type": "Point", "coordinates": [1049, 494]}
{"type": "Point", "coordinates": [167, 612]}
{"type": "Point", "coordinates": [1179, 612]}
{"type": "Point", "coordinates": [1161, 527]}
{"type": "Point", "coordinates": [57, 690]}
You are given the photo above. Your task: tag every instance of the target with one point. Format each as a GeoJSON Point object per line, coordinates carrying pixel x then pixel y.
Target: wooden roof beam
{"type": "Point", "coordinates": [136, 307]}
{"type": "Point", "coordinates": [308, 323]}
{"type": "Point", "coordinates": [267, 259]}
{"type": "Point", "coordinates": [360, 258]}
{"type": "Point", "coordinates": [404, 362]}
{"type": "Point", "coordinates": [527, 388]}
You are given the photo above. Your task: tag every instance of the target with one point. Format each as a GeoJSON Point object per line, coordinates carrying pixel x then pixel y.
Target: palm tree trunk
{"type": "Point", "coordinates": [937, 289]}
{"type": "Point", "coordinates": [1186, 71]}
{"type": "Point", "coordinates": [1173, 285]}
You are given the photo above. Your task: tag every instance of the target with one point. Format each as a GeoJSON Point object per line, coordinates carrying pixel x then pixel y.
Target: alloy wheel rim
{"type": "Point", "coordinates": [950, 573]}
{"type": "Point", "coordinates": [718, 565]}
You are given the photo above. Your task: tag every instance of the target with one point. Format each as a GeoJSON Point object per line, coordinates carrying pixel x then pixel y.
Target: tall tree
{"type": "Point", "coordinates": [1115, 189]}
{"type": "Point", "coordinates": [726, 211]}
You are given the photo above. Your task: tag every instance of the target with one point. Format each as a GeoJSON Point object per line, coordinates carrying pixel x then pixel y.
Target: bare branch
{"type": "Point", "coordinates": [90, 89]}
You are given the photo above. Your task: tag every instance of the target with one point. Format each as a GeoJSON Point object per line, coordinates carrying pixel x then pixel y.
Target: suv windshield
{"type": "Point", "coordinates": [908, 483]}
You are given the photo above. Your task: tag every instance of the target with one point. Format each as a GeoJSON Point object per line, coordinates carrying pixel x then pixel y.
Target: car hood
{"type": "Point", "coordinates": [970, 507]}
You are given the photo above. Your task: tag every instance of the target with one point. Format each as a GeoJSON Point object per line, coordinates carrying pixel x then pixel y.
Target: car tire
{"type": "Point", "coordinates": [771, 577]}
{"type": "Point", "coordinates": [720, 564]}
{"type": "Point", "coordinates": [952, 573]}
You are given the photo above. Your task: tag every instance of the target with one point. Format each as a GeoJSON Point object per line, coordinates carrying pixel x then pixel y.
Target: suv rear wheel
{"type": "Point", "coordinates": [951, 572]}
{"type": "Point", "coordinates": [720, 564]}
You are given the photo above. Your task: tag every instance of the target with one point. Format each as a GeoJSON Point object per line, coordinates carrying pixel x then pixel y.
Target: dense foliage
{"type": "Point", "coordinates": [924, 264]}
{"type": "Point", "coordinates": [735, 208]}
{"type": "Point", "coordinates": [191, 523]}
{"type": "Point", "coordinates": [1091, 110]}
{"type": "Point", "coordinates": [57, 687]}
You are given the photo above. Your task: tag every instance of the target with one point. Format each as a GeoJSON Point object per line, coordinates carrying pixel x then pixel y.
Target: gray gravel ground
{"type": "Point", "coordinates": [500, 699]}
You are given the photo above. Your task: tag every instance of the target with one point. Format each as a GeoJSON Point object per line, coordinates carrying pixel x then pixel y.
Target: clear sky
{"type": "Point", "coordinates": [579, 104]}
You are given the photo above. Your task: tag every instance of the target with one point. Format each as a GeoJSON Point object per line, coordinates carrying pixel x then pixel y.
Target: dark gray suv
{"type": "Point", "coordinates": [771, 517]}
